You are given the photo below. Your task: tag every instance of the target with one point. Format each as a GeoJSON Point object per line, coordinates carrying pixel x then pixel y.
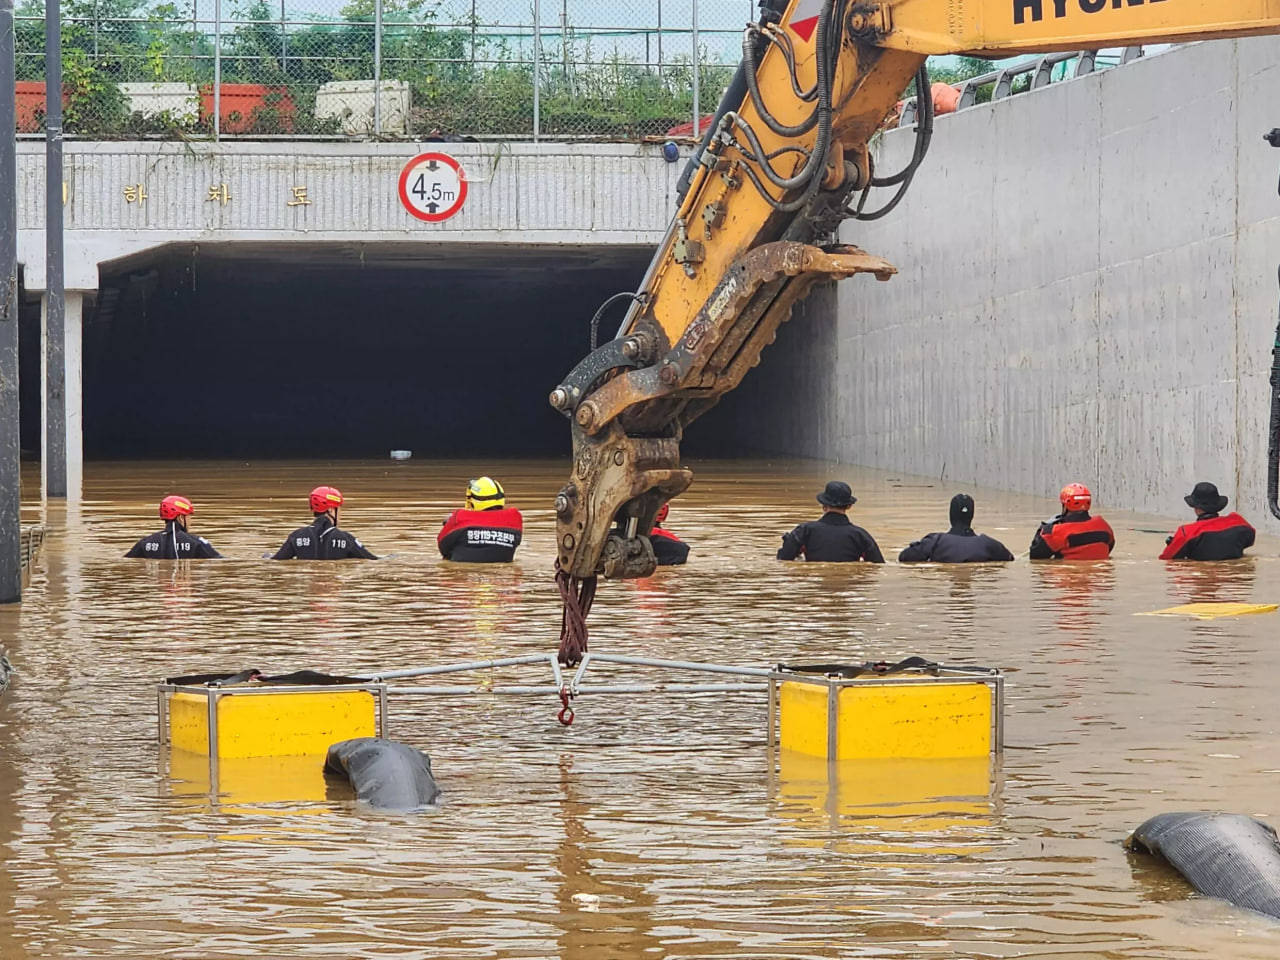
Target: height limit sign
{"type": "Point", "coordinates": [433, 187]}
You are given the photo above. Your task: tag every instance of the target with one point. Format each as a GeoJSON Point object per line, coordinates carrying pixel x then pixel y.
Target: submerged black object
{"type": "Point", "coordinates": [385, 774]}
{"type": "Point", "coordinates": [299, 678]}
{"type": "Point", "coordinates": [1224, 855]}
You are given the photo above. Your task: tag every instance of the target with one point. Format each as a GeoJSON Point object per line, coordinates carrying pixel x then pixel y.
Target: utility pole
{"type": "Point", "coordinates": [53, 465]}
{"type": "Point", "coordinates": [10, 495]}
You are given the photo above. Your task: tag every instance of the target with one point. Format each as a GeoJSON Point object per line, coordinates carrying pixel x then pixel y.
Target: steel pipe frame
{"type": "Point", "coordinates": [460, 691]}
{"type": "Point", "coordinates": [1041, 67]}
{"type": "Point", "coordinates": [573, 685]}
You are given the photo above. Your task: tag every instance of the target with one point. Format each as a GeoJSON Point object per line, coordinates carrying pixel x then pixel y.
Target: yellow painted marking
{"type": "Point", "coordinates": [271, 725]}
{"type": "Point", "coordinates": [907, 720]}
{"type": "Point", "coordinates": [1211, 611]}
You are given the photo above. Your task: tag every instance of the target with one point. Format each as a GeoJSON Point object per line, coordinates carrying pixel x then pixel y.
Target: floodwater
{"type": "Point", "coordinates": [668, 810]}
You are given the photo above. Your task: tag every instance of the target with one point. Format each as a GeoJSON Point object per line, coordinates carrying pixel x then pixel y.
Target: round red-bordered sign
{"type": "Point", "coordinates": [433, 187]}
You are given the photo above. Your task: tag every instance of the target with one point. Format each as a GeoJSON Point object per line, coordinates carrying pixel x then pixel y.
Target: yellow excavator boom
{"type": "Point", "coordinates": [1004, 28]}
{"type": "Point", "coordinates": [783, 164]}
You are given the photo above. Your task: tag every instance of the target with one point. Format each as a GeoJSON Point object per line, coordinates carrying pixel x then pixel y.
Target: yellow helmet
{"type": "Point", "coordinates": [485, 494]}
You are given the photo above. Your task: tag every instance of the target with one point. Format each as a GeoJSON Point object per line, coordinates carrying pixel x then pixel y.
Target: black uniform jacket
{"type": "Point", "coordinates": [957, 545]}
{"type": "Point", "coordinates": [173, 543]}
{"type": "Point", "coordinates": [830, 539]}
{"type": "Point", "coordinates": [668, 548]}
{"type": "Point", "coordinates": [321, 540]}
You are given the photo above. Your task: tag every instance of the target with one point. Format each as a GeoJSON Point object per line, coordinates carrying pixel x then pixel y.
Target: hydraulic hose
{"type": "Point", "coordinates": [780, 38]}
{"type": "Point", "coordinates": [753, 85]}
{"type": "Point", "coordinates": [595, 321]}
{"type": "Point", "coordinates": [924, 135]}
{"type": "Point", "coordinates": [812, 172]}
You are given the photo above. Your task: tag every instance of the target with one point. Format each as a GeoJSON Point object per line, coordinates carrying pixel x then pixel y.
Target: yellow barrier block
{"type": "Point", "coordinates": [1211, 611]}
{"type": "Point", "coordinates": [903, 717]}
{"type": "Point", "coordinates": [289, 722]}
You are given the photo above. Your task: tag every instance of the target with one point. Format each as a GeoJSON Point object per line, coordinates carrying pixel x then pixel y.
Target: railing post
{"type": "Point", "coordinates": [377, 68]}
{"type": "Point", "coordinates": [697, 111]}
{"type": "Point", "coordinates": [659, 38]}
{"type": "Point", "coordinates": [10, 498]}
{"type": "Point", "coordinates": [217, 69]}
{"type": "Point", "coordinates": [537, 69]}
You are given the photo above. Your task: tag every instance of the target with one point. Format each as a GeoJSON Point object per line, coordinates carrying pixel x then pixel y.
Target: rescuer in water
{"type": "Point", "coordinates": [323, 539]}
{"type": "Point", "coordinates": [1074, 534]}
{"type": "Point", "coordinates": [486, 530]}
{"type": "Point", "coordinates": [832, 538]}
{"type": "Point", "coordinates": [667, 547]}
{"type": "Point", "coordinates": [1210, 536]}
{"type": "Point", "coordinates": [174, 542]}
{"type": "Point", "coordinates": [959, 544]}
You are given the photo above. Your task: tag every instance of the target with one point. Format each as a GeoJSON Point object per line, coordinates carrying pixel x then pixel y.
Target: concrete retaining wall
{"type": "Point", "coordinates": [519, 193]}
{"type": "Point", "coordinates": [1088, 291]}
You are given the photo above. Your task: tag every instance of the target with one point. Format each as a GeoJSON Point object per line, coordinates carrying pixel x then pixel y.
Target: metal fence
{"type": "Point", "coordinates": [599, 69]}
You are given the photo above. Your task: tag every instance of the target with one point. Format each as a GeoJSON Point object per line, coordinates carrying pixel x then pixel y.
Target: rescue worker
{"type": "Point", "coordinates": [1210, 536]}
{"type": "Point", "coordinates": [174, 542]}
{"type": "Point", "coordinates": [1074, 534]}
{"type": "Point", "coordinates": [486, 530]}
{"type": "Point", "coordinates": [667, 547]}
{"type": "Point", "coordinates": [959, 544]}
{"type": "Point", "coordinates": [323, 539]}
{"type": "Point", "coordinates": [832, 538]}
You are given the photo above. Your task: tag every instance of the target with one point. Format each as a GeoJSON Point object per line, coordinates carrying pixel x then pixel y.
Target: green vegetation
{"type": "Point", "coordinates": [464, 80]}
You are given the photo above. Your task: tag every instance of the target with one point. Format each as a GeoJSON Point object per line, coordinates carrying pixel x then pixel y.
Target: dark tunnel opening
{"type": "Point", "coordinates": [447, 351]}
{"type": "Point", "coordinates": [341, 351]}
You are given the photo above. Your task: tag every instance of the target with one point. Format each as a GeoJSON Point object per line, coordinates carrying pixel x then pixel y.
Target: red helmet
{"type": "Point", "coordinates": [1075, 496]}
{"type": "Point", "coordinates": [324, 499]}
{"type": "Point", "coordinates": [662, 513]}
{"type": "Point", "coordinates": [171, 508]}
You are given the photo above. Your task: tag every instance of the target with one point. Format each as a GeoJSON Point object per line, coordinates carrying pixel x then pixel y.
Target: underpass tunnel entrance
{"type": "Point", "coordinates": [241, 350]}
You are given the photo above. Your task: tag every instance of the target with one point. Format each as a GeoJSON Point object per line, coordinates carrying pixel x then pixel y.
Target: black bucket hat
{"type": "Point", "coordinates": [837, 494]}
{"type": "Point", "coordinates": [1206, 497]}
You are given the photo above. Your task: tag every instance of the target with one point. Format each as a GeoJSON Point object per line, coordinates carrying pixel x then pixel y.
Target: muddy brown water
{"type": "Point", "coordinates": [668, 810]}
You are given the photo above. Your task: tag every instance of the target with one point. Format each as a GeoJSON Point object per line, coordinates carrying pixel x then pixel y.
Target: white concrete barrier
{"type": "Point", "coordinates": [180, 100]}
{"type": "Point", "coordinates": [353, 102]}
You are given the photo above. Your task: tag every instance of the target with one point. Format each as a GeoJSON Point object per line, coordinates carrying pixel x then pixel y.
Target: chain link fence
{"type": "Point", "coordinates": [386, 69]}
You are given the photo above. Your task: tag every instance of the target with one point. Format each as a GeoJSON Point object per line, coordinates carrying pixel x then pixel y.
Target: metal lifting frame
{"type": "Point", "coordinates": [574, 686]}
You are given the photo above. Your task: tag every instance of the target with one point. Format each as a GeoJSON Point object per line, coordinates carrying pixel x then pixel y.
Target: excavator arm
{"type": "Point", "coordinates": [783, 164]}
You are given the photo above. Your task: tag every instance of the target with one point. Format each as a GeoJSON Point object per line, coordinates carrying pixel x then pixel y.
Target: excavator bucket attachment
{"type": "Point", "coordinates": [626, 433]}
